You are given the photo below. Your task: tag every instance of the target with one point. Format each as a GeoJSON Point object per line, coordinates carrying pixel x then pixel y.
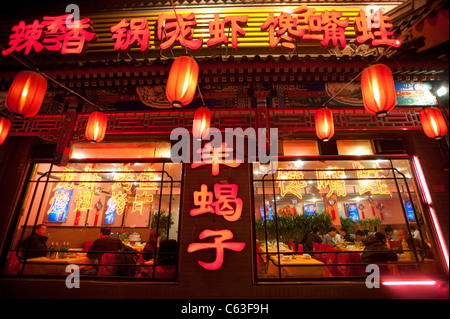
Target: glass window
{"type": "Point", "coordinates": [106, 150]}
{"type": "Point", "coordinates": [329, 219]}
{"type": "Point", "coordinates": [300, 148]}
{"type": "Point", "coordinates": [354, 147]}
{"type": "Point", "coordinates": [138, 202]}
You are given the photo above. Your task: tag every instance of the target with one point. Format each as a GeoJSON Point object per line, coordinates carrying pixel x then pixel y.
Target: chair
{"type": "Point", "coordinates": [322, 248]}
{"type": "Point", "coordinates": [165, 271]}
{"type": "Point", "coordinates": [332, 258]}
{"type": "Point", "coordinates": [357, 270]}
{"type": "Point", "coordinates": [343, 270]}
{"type": "Point", "coordinates": [291, 245]}
{"type": "Point", "coordinates": [13, 266]}
{"type": "Point", "coordinates": [300, 248]}
{"type": "Point", "coordinates": [108, 259]}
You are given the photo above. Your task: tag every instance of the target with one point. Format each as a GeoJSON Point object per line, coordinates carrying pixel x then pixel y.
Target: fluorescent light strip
{"type": "Point", "coordinates": [409, 283]}
{"type": "Point", "coordinates": [424, 186]}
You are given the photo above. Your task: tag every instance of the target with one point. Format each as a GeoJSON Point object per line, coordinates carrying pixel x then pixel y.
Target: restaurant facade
{"type": "Point", "coordinates": [230, 208]}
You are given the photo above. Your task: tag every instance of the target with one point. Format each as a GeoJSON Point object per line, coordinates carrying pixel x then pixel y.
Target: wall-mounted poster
{"type": "Point", "coordinates": [110, 211]}
{"type": "Point", "coordinates": [59, 205]}
{"type": "Point", "coordinates": [310, 209]}
{"type": "Point", "coordinates": [269, 212]}
{"type": "Point", "coordinates": [409, 211]}
{"type": "Point", "coordinates": [352, 211]}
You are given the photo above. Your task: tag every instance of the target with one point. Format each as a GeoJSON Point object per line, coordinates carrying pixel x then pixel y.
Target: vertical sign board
{"type": "Point", "coordinates": [216, 225]}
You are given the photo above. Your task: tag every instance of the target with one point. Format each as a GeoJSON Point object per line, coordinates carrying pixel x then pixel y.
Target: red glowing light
{"type": "Point", "coordinates": [218, 244]}
{"type": "Point", "coordinates": [423, 184]}
{"type": "Point", "coordinates": [378, 90]}
{"type": "Point", "coordinates": [216, 156]}
{"type": "Point", "coordinates": [409, 283]}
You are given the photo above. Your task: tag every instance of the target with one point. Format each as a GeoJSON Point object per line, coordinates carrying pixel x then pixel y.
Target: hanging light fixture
{"type": "Point", "coordinates": [202, 121]}
{"type": "Point", "coordinates": [433, 123]}
{"type": "Point", "coordinates": [5, 125]}
{"type": "Point", "coordinates": [26, 93]}
{"type": "Point", "coordinates": [378, 91]}
{"type": "Point", "coordinates": [324, 124]}
{"type": "Point", "coordinates": [182, 81]}
{"type": "Point", "coordinates": [96, 127]}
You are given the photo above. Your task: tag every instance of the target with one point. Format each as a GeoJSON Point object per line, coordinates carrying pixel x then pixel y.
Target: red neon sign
{"type": "Point", "coordinates": [219, 237]}
{"type": "Point", "coordinates": [286, 29]}
{"type": "Point", "coordinates": [52, 34]}
{"type": "Point", "coordinates": [227, 204]}
{"type": "Point", "coordinates": [128, 34]}
{"type": "Point", "coordinates": [216, 156]}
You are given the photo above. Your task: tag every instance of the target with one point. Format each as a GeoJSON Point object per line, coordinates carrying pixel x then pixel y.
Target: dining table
{"type": "Point", "coordinates": [273, 248]}
{"type": "Point", "coordinates": [45, 266]}
{"type": "Point", "coordinates": [138, 246]}
{"type": "Point", "coordinates": [297, 265]}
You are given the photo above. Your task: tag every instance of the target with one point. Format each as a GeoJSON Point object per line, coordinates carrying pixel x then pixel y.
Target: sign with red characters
{"type": "Point", "coordinates": [285, 29]}
{"type": "Point", "coordinates": [227, 204]}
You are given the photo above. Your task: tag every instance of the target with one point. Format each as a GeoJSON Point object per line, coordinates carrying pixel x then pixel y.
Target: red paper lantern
{"type": "Point", "coordinates": [202, 121]}
{"type": "Point", "coordinates": [378, 91]}
{"type": "Point", "coordinates": [26, 93]}
{"type": "Point", "coordinates": [182, 81]}
{"type": "Point", "coordinates": [5, 125]}
{"type": "Point", "coordinates": [324, 124]}
{"type": "Point", "coordinates": [433, 123]}
{"type": "Point", "coordinates": [96, 127]}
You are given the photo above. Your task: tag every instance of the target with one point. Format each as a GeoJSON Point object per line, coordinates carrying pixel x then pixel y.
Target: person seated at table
{"type": "Point", "coordinates": [360, 236]}
{"type": "Point", "coordinates": [376, 250]}
{"type": "Point", "coordinates": [313, 237]}
{"type": "Point", "coordinates": [103, 244]}
{"type": "Point", "coordinates": [150, 247]}
{"type": "Point", "coordinates": [328, 238]}
{"type": "Point", "coordinates": [415, 232]}
{"type": "Point", "coordinates": [167, 252]}
{"type": "Point", "coordinates": [345, 235]}
{"type": "Point", "coordinates": [391, 233]}
{"type": "Point", "coordinates": [35, 245]}
{"type": "Point", "coordinates": [414, 243]}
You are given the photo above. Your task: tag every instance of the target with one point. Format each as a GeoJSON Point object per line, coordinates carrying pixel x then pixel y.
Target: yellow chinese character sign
{"type": "Point", "coordinates": [124, 181]}
{"type": "Point", "coordinates": [86, 190]}
{"type": "Point", "coordinates": [332, 178]}
{"type": "Point", "coordinates": [147, 184]}
{"type": "Point", "coordinates": [291, 181]}
{"type": "Point", "coordinates": [371, 180]}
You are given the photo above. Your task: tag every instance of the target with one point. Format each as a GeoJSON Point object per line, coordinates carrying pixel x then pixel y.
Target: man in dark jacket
{"type": "Point", "coordinates": [312, 238]}
{"type": "Point", "coordinates": [35, 245]}
{"type": "Point", "coordinates": [103, 244]}
{"type": "Point", "coordinates": [376, 250]}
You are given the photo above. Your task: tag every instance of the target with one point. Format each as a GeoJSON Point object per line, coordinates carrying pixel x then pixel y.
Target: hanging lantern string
{"type": "Point", "coordinates": [179, 25]}
{"type": "Point", "coordinates": [356, 77]}
{"type": "Point", "coordinates": [52, 79]}
{"type": "Point", "coordinates": [201, 95]}
{"type": "Point", "coordinates": [402, 34]}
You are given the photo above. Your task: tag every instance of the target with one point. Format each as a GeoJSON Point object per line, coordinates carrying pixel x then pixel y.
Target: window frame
{"type": "Point", "coordinates": [14, 230]}
{"type": "Point", "coordinates": [391, 157]}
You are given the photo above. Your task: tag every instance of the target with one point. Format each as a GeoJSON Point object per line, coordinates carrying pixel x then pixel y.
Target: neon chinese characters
{"type": "Point", "coordinates": [227, 204]}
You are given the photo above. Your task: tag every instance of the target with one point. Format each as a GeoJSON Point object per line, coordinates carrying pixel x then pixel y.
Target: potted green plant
{"type": "Point", "coordinates": [349, 224]}
{"type": "Point", "coordinates": [161, 220]}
